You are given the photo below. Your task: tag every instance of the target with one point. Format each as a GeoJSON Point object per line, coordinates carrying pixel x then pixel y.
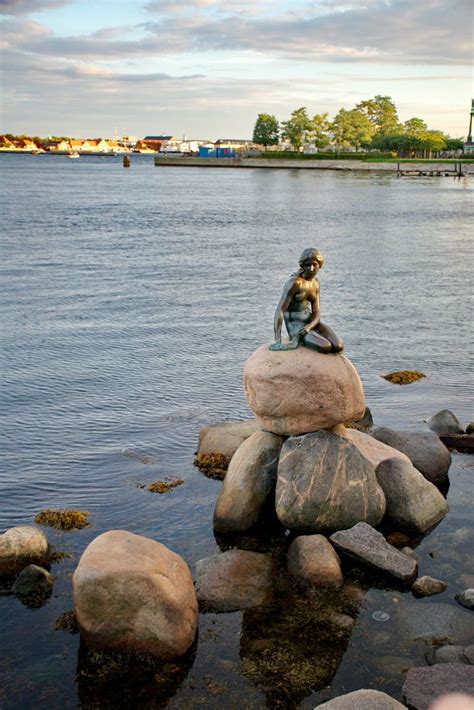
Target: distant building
{"type": "Point", "coordinates": [157, 142]}
{"type": "Point", "coordinates": [129, 141]}
{"type": "Point", "coordinates": [6, 143]}
{"type": "Point", "coordinates": [56, 146]}
{"type": "Point", "coordinates": [469, 144]}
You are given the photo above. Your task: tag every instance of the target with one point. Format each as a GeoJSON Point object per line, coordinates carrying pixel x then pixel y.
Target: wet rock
{"type": "Point", "coordinates": [234, 580]}
{"type": "Point", "coordinates": [33, 583]}
{"type": "Point", "coordinates": [133, 594]}
{"type": "Point", "coordinates": [297, 391]}
{"type": "Point", "coordinates": [436, 621]}
{"type": "Point", "coordinates": [364, 424]}
{"type": "Point", "coordinates": [373, 450]}
{"type": "Point", "coordinates": [397, 539]}
{"type": "Point", "coordinates": [413, 503]}
{"type": "Point", "coordinates": [226, 437]}
{"type": "Point", "coordinates": [354, 593]}
{"type": "Point", "coordinates": [313, 560]}
{"type": "Point", "coordinates": [427, 586]}
{"type": "Point", "coordinates": [464, 443]}
{"type": "Point", "coordinates": [423, 685]}
{"type": "Point", "coordinates": [325, 484]}
{"type": "Point", "coordinates": [465, 580]}
{"type": "Point", "coordinates": [369, 546]}
{"type": "Point", "coordinates": [250, 480]}
{"type": "Point", "coordinates": [362, 700]}
{"type": "Point", "coordinates": [466, 598]}
{"type": "Point", "coordinates": [424, 449]}
{"type": "Point", "coordinates": [410, 552]}
{"type": "Point", "coordinates": [393, 665]}
{"type": "Point", "coordinates": [21, 546]}
{"type": "Point", "coordinates": [445, 654]}
{"type": "Point", "coordinates": [470, 428]}
{"type": "Point", "coordinates": [343, 622]}
{"type": "Point", "coordinates": [445, 422]}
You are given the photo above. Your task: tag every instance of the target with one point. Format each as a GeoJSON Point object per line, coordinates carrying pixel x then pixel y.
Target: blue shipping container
{"type": "Point", "coordinates": [206, 152]}
{"type": "Point", "coordinates": [225, 152]}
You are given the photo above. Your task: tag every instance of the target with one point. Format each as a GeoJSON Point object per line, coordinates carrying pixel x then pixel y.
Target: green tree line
{"type": "Point", "coordinates": [372, 124]}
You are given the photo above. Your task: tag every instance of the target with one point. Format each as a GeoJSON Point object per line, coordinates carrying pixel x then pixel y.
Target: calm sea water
{"type": "Point", "coordinates": [130, 300]}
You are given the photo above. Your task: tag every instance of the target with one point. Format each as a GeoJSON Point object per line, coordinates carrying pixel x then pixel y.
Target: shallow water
{"type": "Point", "coordinates": [130, 300]}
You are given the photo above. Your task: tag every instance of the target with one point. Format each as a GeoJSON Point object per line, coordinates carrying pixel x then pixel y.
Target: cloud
{"type": "Point", "coordinates": [397, 32]}
{"type": "Point", "coordinates": [25, 7]}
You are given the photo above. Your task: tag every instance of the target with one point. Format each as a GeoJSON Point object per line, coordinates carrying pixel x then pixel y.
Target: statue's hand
{"type": "Point", "coordinates": [302, 333]}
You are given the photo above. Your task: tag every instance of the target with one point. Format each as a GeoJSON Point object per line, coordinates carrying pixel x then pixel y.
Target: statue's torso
{"type": "Point", "coordinates": [305, 295]}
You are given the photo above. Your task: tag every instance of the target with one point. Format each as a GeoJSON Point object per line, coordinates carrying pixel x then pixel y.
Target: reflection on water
{"type": "Point", "coordinates": [129, 303]}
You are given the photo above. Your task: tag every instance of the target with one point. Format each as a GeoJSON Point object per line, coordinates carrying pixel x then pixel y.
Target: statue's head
{"type": "Point", "coordinates": [311, 260]}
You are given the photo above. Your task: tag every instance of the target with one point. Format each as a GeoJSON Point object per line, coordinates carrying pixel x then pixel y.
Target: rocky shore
{"type": "Point", "coordinates": [343, 506]}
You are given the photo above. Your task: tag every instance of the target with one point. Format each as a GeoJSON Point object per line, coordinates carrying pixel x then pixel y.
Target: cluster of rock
{"type": "Point", "coordinates": [330, 484]}
{"type": "Point", "coordinates": [323, 476]}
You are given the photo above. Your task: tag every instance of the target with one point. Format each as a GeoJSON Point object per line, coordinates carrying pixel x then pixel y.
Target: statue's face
{"type": "Point", "coordinates": [310, 269]}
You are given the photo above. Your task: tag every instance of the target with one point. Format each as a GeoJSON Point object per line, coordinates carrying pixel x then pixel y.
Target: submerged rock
{"type": "Point", "coordinates": [369, 546]}
{"type": "Point", "coordinates": [325, 484]}
{"type": "Point", "coordinates": [423, 685]}
{"type": "Point", "coordinates": [313, 560]}
{"type": "Point", "coordinates": [362, 700]}
{"type": "Point", "coordinates": [298, 391]}
{"type": "Point", "coordinates": [466, 598]}
{"type": "Point", "coordinates": [413, 503]}
{"type": "Point", "coordinates": [33, 583]}
{"type": "Point", "coordinates": [234, 580]}
{"type": "Point", "coordinates": [445, 422]}
{"type": "Point", "coordinates": [445, 654]}
{"type": "Point", "coordinates": [21, 546]}
{"type": "Point", "coordinates": [435, 621]}
{"type": "Point", "coordinates": [226, 437]}
{"type": "Point", "coordinates": [424, 449]}
{"type": "Point", "coordinates": [427, 586]}
{"type": "Point", "coordinates": [133, 594]}
{"type": "Point", "coordinates": [249, 481]}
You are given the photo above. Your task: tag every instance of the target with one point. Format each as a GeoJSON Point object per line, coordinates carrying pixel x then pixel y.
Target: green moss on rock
{"type": "Point", "coordinates": [212, 465]}
{"type": "Point", "coordinates": [404, 377]}
{"type": "Point", "coordinates": [63, 519]}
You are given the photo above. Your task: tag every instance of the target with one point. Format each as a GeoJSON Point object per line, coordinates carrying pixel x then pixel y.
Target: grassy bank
{"type": "Point", "coordinates": [365, 157]}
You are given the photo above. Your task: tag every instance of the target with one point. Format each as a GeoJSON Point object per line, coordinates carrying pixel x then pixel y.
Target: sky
{"type": "Point", "coordinates": [206, 68]}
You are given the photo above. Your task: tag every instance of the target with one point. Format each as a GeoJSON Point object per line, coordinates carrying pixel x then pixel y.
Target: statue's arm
{"type": "Point", "coordinates": [289, 291]}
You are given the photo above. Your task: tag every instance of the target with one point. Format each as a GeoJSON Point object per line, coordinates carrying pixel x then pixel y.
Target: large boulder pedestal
{"type": "Point", "coordinates": [298, 391]}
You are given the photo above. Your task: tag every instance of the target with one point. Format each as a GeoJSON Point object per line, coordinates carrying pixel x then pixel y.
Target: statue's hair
{"type": "Point", "coordinates": [310, 255]}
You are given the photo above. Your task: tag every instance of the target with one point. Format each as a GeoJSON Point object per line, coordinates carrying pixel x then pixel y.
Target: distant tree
{"type": "Point", "coordinates": [433, 142]}
{"type": "Point", "coordinates": [297, 128]}
{"type": "Point", "coordinates": [414, 133]}
{"type": "Point", "coordinates": [454, 143]}
{"type": "Point", "coordinates": [320, 130]}
{"type": "Point", "coordinates": [382, 113]}
{"type": "Point", "coordinates": [266, 130]}
{"type": "Point", "coordinates": [352, 128]}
